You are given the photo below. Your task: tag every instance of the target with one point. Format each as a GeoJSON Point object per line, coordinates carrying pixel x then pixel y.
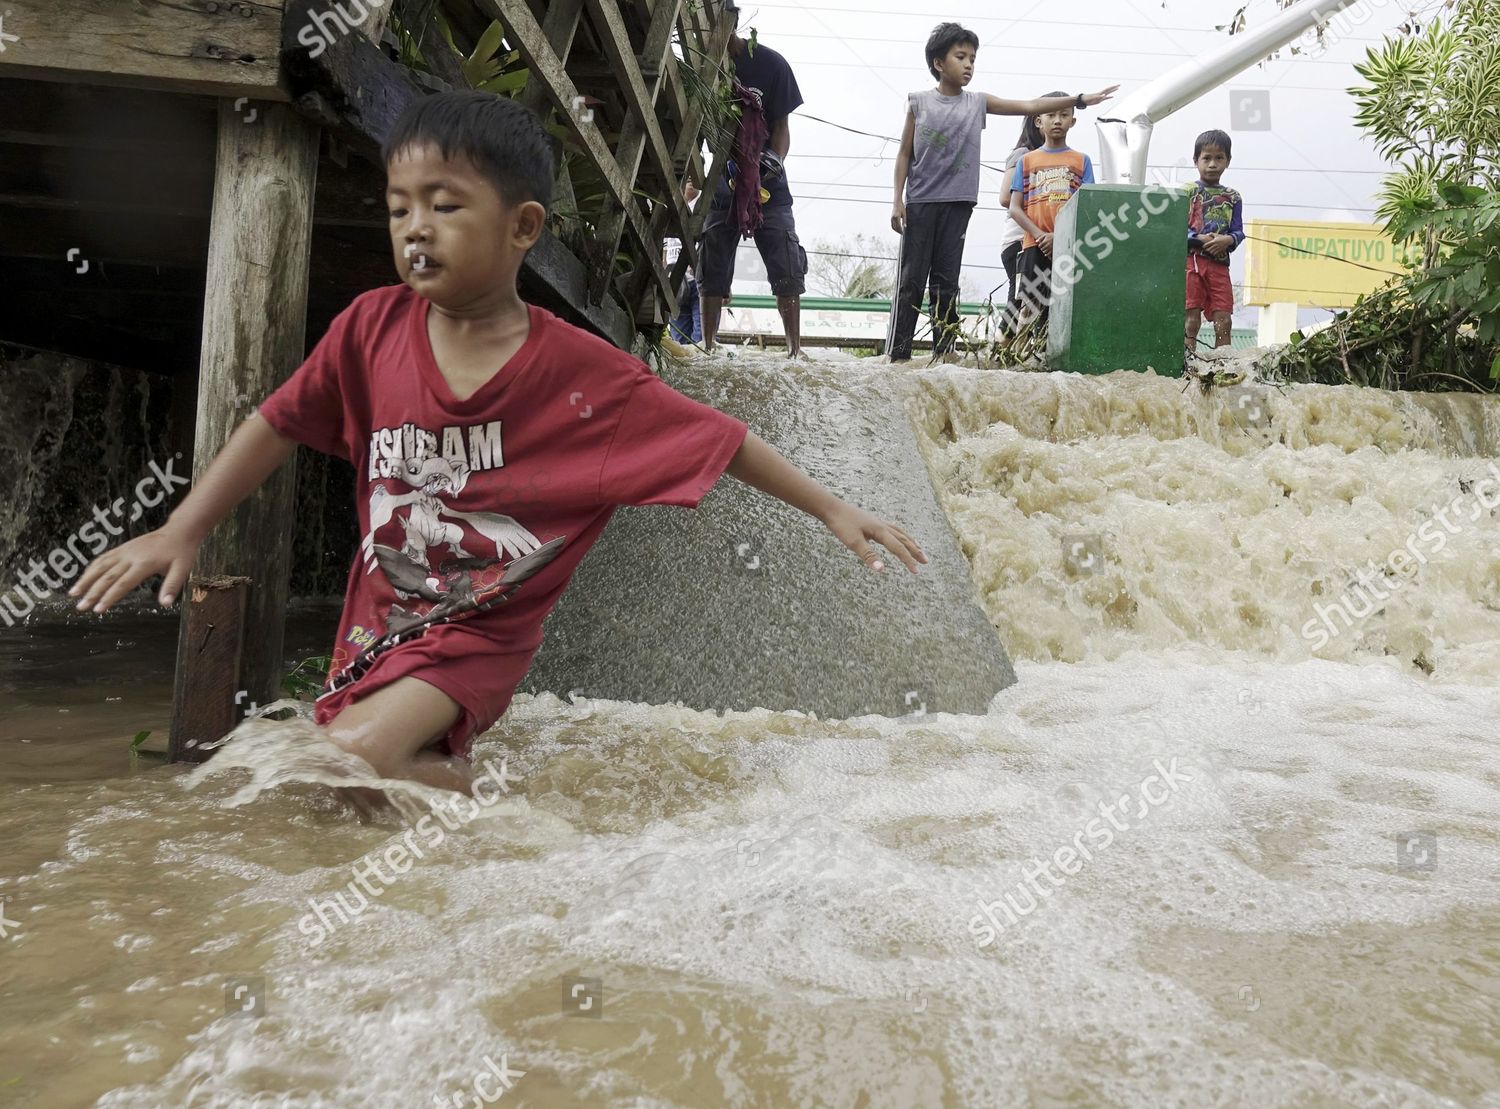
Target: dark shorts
{"type": "Point", "coordinates": [780, 250]}
{"type": "Point", "coordinates": [1034, 278]}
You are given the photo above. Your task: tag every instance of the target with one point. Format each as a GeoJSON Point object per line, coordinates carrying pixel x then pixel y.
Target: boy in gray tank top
{"type": "Point", "coordinates": [937, 183]}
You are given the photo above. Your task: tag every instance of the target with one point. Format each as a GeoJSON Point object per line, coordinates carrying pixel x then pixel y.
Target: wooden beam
{"type": "Point", "coordinates": [254, 317]}
{"type": "Point", "coordinates": [641, 104]}
{"type": "Point", "coordinates": [554, 267]}
{"type": "Point", "coordinates": [208, 47]}
{"type": "Point", "coordinates": [689, 140]}
{"type": "Point", "coordinates": [358, 93]}
{"type": "Point", "coordinates": [100, 238]}
{"type": "Point", "coordinates": [560, 25]}
{"type": "Point", "coordinates": [351, 88]}
{"type": "Point", "coordinates": [526, 34]}
{"type": "Point", "coordinates": [206, 702]}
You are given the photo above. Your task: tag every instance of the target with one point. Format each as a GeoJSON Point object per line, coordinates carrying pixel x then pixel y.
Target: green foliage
{"type": "Point", "coordinates": [306, 678]}
{"type": "Point", "coordinates": [856, 269]}
{"type": "Point", "coordinates": [1463, 279]}
{"type": "Point", "coordinates": [408, 24]}
{"type": "Point", "coordinates": [140, 737]}
{"type": "Point", "coordinates": [1430, 104]}
{"type": "Point", "coordinates": [711, 87]}
{"type": "Point", "coordinates": [490, 67]}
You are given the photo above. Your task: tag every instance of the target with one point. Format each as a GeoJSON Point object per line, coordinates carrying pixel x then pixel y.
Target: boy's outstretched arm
{"type": "Point", "coordinates": [757, 463]}
{"type": "Point", "coordinates": [999, 106]}
{"type": "Point", "coordinates": [254, 452]}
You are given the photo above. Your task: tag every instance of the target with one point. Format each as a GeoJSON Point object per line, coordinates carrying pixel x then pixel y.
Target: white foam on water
{"type": "Point", "coordinates": [783, 910]}
{"type": "Point", "coordinates": [821, 903]}
{"type": "Point", "coordinates": [1217, 535]}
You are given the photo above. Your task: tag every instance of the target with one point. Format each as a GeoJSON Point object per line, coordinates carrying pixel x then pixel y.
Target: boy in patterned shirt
{"type": "Point", "coordinates": [1215, 229]}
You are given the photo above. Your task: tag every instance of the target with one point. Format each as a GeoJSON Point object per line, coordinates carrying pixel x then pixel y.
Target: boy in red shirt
{"type": "Point", "coordinates": [492, 444]}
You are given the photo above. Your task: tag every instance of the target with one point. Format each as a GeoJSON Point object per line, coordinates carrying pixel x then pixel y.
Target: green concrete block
{"type": "Point", "coordinates": [1124, 308]}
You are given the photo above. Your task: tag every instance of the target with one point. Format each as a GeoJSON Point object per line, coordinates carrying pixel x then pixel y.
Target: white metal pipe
{"type": "Point", "coordinates": [1125, 134]}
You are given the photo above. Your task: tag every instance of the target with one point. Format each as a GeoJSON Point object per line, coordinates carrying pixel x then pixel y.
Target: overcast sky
{"type": "Point", "coordinates": [856, 60]}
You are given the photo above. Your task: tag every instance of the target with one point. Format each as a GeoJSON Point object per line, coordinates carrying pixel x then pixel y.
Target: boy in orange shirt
{"type": "Point", "coordinates": [1045, 180]}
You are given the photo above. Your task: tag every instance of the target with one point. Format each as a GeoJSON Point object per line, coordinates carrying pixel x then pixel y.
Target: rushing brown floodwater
{"type": "Point", "coordinates": [767, 909]}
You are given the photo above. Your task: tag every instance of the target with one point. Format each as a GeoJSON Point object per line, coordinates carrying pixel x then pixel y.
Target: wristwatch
{"type": "Point", "coordinates": [1081, 102]}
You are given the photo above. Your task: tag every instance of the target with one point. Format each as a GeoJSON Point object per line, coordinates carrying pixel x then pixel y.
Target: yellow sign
{"type": "Point", "coordinates": [1318, 264]}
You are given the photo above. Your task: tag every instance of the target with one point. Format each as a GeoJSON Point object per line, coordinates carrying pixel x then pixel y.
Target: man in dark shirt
{"type": "Point", "coordinates": [768, 72]}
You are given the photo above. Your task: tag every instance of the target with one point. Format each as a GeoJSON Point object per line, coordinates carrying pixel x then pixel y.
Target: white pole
{"type": "Point", "coordinates": [1125, 134]}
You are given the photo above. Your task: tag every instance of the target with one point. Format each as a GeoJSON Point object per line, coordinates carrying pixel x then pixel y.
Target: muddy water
{"type": "Point", "coordinates": [1293, 901]}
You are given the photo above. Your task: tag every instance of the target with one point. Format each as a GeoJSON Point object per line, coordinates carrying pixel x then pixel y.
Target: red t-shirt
{"type": "Point", "coordinates": [474, 513]}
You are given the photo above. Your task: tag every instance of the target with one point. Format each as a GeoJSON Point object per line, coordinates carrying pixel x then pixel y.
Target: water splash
{"type": "Point", "coordinates": [1214, 536]}
{"type": "Point", "coordinates": [296, 752]}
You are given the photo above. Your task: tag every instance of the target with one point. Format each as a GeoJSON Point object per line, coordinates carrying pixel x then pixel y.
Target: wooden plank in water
{"type": "Point", "coordinates": [210, 47]}
{"type": "Point", "coordinates": [210, 649]}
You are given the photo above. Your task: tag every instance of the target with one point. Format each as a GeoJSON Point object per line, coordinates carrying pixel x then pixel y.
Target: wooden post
{"type": "Point", "coordinates": [254, 324]}
{"type": "Point", "coordinates": [206, 703]}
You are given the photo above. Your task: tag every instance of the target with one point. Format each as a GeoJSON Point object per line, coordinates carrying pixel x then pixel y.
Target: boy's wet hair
{"type": "Point", "coordinates": [944, 37]}
{"type": "Point", "coordinates": [1213, 138]}
{"type": "Point", "coordinates": [505, 142]}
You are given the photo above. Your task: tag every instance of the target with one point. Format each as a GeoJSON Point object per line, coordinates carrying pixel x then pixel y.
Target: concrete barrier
{"type": "Point", "coordinates": [747, 603]}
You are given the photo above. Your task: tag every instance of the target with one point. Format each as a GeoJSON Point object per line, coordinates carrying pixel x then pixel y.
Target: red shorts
{"type": "Point", "coordinates": [1208, 284]}
{"type": "Point", "coordinates": [478, 673]}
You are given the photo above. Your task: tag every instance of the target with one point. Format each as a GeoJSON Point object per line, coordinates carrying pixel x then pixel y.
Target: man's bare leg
{"type": "Point", "coordinates": [709, 308]}
{"type": "Point", "coordinates": [391, 728]}
{"type": "Point", "coordinates": [791, 320]}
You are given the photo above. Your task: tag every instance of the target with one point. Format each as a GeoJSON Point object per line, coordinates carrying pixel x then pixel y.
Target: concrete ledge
{"type": "Point", "coordinates": [747, 603]}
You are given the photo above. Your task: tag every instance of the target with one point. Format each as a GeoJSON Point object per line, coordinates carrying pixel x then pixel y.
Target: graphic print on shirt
{"type": "Point", "coordinates": [1211, 208]}
{"type": "Point", "coordinates": [1051, 184]}
{"type": "Point", "coordinates": [442, 563]}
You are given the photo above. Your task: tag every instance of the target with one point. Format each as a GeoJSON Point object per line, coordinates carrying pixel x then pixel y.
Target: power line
{"type": "Point", "coordinates": [997, 208]}
{"type": "Point", "coordinates": [991, 166]}
{"type": "Point", "coordinates": [892, 258]}
{"type": "Point", "coordinates": [1153, 165]}
{"type": "Point", "coordinates": [1117, 77]}
{"type": "Point", "coordinates": [1029, 48]}
{"type": "Point", "coordinates": [1155, 27]}
{"type": "Point", "coordinates": [888, 188]}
